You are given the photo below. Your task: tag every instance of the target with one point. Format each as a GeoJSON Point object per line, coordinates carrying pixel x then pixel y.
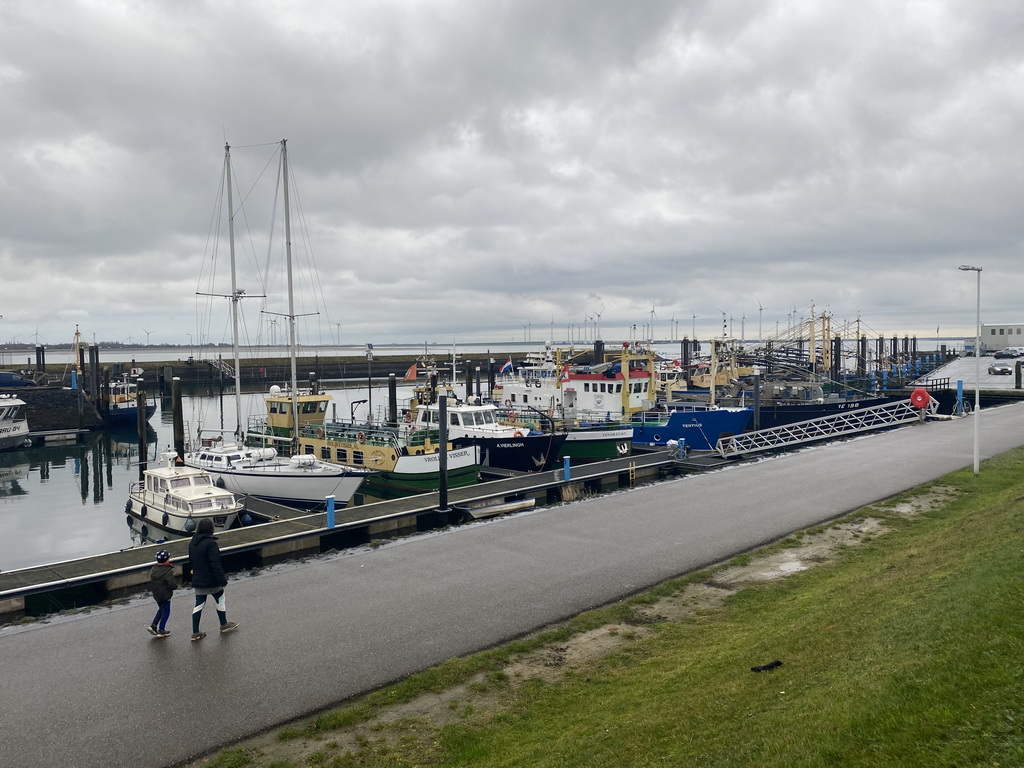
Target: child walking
{"type": "Point", "coordinates": [162, 582]}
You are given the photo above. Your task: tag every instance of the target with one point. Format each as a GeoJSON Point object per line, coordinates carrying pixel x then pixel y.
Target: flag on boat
{"type": "Point", "coordinates": [507, 367]}
{"type": "Point", "coordinates": [410, 375]}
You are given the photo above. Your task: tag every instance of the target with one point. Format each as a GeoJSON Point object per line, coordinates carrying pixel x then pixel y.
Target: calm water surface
{"type": "Point", "coordinates": [63, 502]}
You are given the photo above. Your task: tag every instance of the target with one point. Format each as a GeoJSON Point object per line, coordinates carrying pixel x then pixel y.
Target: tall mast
{"type": "Point", "coordinates": [235, 295]}
{"type": "Point", "coordinates": [291, 297]}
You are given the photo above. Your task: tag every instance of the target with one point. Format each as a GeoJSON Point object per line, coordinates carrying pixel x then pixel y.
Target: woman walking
{"type": "Point", "coordinates": [207, 577]}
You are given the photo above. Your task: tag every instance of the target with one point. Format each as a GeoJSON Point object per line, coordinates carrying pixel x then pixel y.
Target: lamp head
{"type": "Point", "coordinates": [967, 268]}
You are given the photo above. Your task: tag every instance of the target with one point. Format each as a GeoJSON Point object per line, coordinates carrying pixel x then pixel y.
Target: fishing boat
{"type": "Point", "coordinates": [405, 459]}
{"type": "Point", "coordinates": [301, 481]}
{"type": "Point", "coordinates": [174, 498]}
{"type": "Point", "coordinates": [13, 428]}
{"type": "Point", "coordinates": [123, 401]}
{"type": "Point", "coordinates": [472, 422]}
{"type": "Point", "coordinates": [616, 390]}
{"type": "Point", "coordinates": [502, 445]}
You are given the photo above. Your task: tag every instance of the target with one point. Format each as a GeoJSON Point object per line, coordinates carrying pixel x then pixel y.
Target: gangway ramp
{"type": "Point", "coordinates": [840, 424]}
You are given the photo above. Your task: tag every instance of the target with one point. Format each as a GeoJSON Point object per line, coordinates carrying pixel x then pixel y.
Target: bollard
{"type": "Point", "coordinates": [330, 511]}
{"type": "Point", "coordinates": [565, 468]}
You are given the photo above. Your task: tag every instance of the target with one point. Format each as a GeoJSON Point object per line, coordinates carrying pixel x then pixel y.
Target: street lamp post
{"type": "Point", "coordinates": [977, 368]}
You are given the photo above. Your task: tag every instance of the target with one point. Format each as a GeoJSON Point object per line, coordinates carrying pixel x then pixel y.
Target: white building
{"type": "Point", "coordinates": [996, 336]}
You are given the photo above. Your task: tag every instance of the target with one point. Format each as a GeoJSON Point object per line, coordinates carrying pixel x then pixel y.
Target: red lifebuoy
{"type": "Point", "coordinates": [517, 434]}
{"type": "Point", "coordinates": [920, 398]}
{"type": "Point", "coordinates": [512, 417]}
{"type": "Point", "coordinates": [361, 437]}
{"type": "Point", "coordinates": [408, 417]}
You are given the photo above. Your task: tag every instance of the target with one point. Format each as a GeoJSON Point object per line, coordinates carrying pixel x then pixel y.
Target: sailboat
{"type": "Point", "coordinates": [297, 480]}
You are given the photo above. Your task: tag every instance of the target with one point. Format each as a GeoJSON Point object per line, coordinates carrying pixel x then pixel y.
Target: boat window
{"type": "Point", "coordinates": [284, 408]}
{"type": "Point", "coordinates": [488, 417]}
{"type": "Point", "coordinates": [180, 482]}
{"type": "Point", "coordinates": [309, 407]}
{"type": "Point", "coordinates": [307, 449]}
{"type": "Point", "coordinates": [341, 455]}
{"type": "Point", "coordinates": [202, 504]}
{"type": "Point", "coordinates": [202, 480]}
{"type": "Point", "coordinates": [325, 452]}
{"type": "Point", "coordinates": [453, 419]}
{"type": "Point", "coordinates": [161, 485]}
{"type": "Point", "coordinates": [273, 407]}
{"type": "Point", "coordinates": [323, 406]}
{"type": "Point", "coordinates": [357, 458]}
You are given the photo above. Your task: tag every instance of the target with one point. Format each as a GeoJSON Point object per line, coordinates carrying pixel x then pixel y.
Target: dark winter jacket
{"type": "Point", "coordinates": [204, 557]}
{"type": "Point", "coordinates": [162, 581]}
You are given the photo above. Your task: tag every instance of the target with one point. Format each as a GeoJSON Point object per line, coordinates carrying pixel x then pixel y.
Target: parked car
{"type": "Point", "coordinates": [1009, 352]}
{"type": "Point", "coordinates": [11, 379]}
{"type": "Point", "coordinates": [1000, 368]}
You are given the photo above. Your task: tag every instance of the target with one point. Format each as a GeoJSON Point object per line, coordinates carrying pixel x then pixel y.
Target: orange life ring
{"type": "Point", "coordinates": [320, 432]}
{"type": "Point", "coordinates": [361, 437]}
{"type": "Point", "coordinates": [512, 417]}
{"type": "Point", "coordinates": [551, 413]}
{"type": "Point", "coordinates": [408, 417]}
{"type": "Point", "coordinates": [517, 434]}
{"type": "Point", "coordinates": [919, 398]}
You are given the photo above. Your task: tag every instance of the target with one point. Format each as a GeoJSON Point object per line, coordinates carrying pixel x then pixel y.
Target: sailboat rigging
{"type": "Point", "coordinates": [297, 480]}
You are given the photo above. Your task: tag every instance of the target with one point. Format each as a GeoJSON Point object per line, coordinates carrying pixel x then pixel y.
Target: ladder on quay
{"type": "Point", "coordinates": [844, 423]}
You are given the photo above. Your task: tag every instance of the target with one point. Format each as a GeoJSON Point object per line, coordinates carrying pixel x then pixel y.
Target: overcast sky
{"type": "Point", "coordinates": [465, 168]}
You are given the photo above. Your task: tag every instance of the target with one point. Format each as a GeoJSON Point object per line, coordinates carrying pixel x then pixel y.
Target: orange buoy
{"type": "Point", "coordinates": [920, 398]}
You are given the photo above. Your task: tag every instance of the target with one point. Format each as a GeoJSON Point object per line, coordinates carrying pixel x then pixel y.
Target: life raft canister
{"type": "Point", "coordinates": [920, 398]}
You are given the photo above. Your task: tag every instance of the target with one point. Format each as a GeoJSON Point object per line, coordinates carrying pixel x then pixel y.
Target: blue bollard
{"type": "Point", "coordinates": [565, 468]}
{"type": "Point", "coordinates": [330, 511]}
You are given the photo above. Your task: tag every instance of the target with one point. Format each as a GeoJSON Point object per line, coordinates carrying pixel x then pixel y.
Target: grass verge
{"type": "Point", "coordinates": [905, 650]}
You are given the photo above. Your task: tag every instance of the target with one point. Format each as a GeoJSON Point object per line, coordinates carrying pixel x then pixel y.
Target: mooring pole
{"type": "Point", "coordinates": [442, 454]}
{"type": "Point", "coordinates": [177, 418]}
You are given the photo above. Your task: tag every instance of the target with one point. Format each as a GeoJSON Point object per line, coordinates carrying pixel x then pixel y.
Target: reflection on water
{"type": "Point", "coordinates": [62, 502]}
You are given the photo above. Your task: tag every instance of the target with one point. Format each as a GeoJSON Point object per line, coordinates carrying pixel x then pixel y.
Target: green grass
{"type": "Point", "coordinates": [906, 651]}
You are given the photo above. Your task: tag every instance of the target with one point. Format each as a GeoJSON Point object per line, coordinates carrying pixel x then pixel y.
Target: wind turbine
{"type": "Point", "coordinates": [760, 310]}
{"type": "Point", "coordinates": [147, 336]}
{"type": "Point", "coordinates": [653, 315]}
{"type": "Point", "coordinates": [693, 325]}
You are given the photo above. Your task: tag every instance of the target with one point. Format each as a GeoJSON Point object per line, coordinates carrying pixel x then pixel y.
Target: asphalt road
{"type": "Point", "coordinates": [94, 690]}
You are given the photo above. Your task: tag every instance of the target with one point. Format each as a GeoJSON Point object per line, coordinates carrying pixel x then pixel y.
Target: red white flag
{"type": "Point", "coordinates": [410, 375]}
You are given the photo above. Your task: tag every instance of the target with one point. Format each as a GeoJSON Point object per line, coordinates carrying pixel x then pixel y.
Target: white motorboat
{"type": "Point", "coordinates": [13, 428]}
{"type": "Point", "coordinates": [174, 498]}
{"type": "Point", "coordinates": [299, 481]}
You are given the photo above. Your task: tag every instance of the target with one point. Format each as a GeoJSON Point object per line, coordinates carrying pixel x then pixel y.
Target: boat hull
{"type": "Point", "coordinates": [415, 475]}
{"type": "Point", "coordinates": [529, 453]}
{"type": "Point", "coordinates": [128, 416]}
{"type": "Point", "coordinates": [150, 518]}
{"type": "Point", "coordinates": [598, 444]}
{"type": "Point", "coordinates": [776, 415]}
{"type": "Point", "coordinates": [700, 429]}
{"type": "Point", "coordinates": [290, 488]}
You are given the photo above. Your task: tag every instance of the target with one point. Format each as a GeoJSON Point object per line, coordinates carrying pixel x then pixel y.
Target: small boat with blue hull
{"type": "Point", "coordinates": [123, 402]}
{"type": "Point", "coordinates": [696, 426]}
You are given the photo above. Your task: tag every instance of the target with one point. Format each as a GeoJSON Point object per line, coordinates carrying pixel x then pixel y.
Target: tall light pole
{"type": "Point", "coordinates": [977, 368]}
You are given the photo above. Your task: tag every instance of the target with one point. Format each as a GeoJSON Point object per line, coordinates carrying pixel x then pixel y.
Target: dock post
{"type": "Point", "coordinates": [177, 417]}
{"type": "Point", "coordinates": [565, 468]}
{"type": "Point", "coordinates": [330, 511]}
{"type": "Point", "coordinates": [442, 455]}
{"type": "Point", "coordinates": [392, 400]}
{"type": "Point", "coordinates": [140, 426]}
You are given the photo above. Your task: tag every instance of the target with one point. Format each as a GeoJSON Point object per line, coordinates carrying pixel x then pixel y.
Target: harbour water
{"type": "Point", "coordinates": [62, 502]}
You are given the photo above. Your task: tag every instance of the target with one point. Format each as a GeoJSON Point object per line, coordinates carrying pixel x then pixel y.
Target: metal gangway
{"type": "Point", "coordinates": [225, 369]}
{"type": "Point", "coordinates": [843, 423]}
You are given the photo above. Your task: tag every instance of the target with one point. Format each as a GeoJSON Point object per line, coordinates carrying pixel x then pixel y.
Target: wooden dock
{"type": "Point", "coordinates": [44, 589]}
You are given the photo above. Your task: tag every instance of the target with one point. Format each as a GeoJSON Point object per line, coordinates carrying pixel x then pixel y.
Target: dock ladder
{"type": "Point", "coordinates": [845, 423]}
{"type": "Point", "coordinates": [226, 370]}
